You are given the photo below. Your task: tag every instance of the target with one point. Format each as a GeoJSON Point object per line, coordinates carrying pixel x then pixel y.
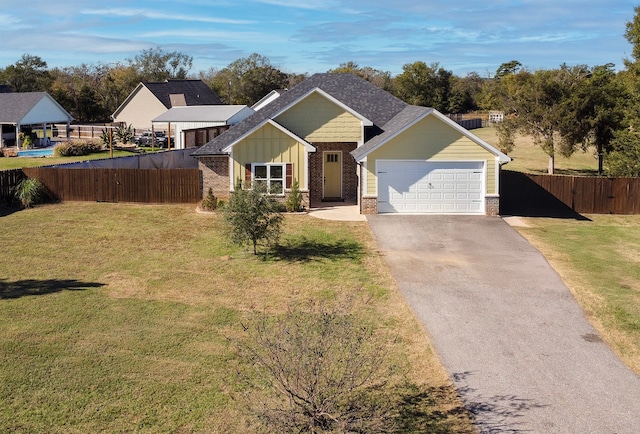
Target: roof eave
{"type": "Point", "coordinates": [126, 101]}
{"type": "Point", "coordinates": [308, 146]}
{"type": "Point", "coordinates": [502, 157]}
{"type": "Point", "coordinates": [366, 122]}
{"type": "Point", "coordinates": [363, 157]}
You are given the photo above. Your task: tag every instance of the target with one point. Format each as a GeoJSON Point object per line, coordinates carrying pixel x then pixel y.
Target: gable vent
{"type": "Point", "coordinates": [177, 100]}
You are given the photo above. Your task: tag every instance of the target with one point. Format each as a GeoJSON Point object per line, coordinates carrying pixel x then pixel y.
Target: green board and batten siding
{"type": "Point", "coordinates": [317, 119]}
{"type": "Point", "coordinates": [270, 145]}
{"type": "Point", "coordinates": [431, 139]}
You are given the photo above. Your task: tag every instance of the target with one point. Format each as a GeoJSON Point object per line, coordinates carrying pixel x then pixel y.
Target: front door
{"type": "Point", "coordinates": [332, 175]}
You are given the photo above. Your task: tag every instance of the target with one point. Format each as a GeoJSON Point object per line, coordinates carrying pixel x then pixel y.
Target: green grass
{"type": "Point", "coordinates": [600, 261]}
{"type": "Point", "coordinates": [19, 162]}
{"type": "Point", "coordinates": [122, 318]}
{"type": "Point", "coordinates": [530, 158]}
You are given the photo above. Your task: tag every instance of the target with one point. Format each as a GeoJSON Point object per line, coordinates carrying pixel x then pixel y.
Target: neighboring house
{"type": "Point", "coordinates": [344, 139]}
{"type": "Point", "coordinates": [19, 110]}
{"type": "Point", "coordinates": [150, 99]}
{"type": "Point", "coordinates": [495, 116]}
{"type": "Point", "coordinates": [194, 126]}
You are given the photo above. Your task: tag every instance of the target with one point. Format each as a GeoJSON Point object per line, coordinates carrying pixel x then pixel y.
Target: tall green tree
{"type": "Point", "coordinates": [29, 74]}
{"type": "Point", "coordinates": [465, 93]}
{"type": "Point", "coordinates": [117, 83]}
{"type": "Point", "coordinates": [595, 112]}
{"type": "Point", "coordinates": [536, 102]}
{"type": "Point", "coordinates": [624, 155]}
{"type": "Point", "coordinates": [77, 89]}
{"type": "Point", "coordinates": [508, 68]}
{"type": "Point", "coordinates": [382, 79]}
{"type": "Point", "coordinates": [155, 64]}
{"type": "Point", "coordinates": [247, 80]}
{"type": "Point", "coordinates": [424, 85]}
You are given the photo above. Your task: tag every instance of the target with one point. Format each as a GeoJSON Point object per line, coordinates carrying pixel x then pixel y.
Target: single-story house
{"type": "Point", "coordinates": [196, 125]}
{"type": "Point", "coordinates": [27, 109]}
{"type": "Point", "coordinates": [344, 139]}
{"type": "Point", "coordinates": [150, 99]}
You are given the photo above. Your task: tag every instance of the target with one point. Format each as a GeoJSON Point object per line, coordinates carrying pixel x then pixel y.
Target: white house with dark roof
{"type": "Point", "coordinates": [196, 125]}
{"type": "Point", "coordinates": [20, 109]}
{"type": "Point", "coordinates": [151, 99]}
{"type": "Point", "coordinates": [344, 139]}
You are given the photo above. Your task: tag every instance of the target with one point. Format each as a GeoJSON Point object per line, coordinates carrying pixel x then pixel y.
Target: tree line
{"type": "Point", "coordinates": [565, 109]}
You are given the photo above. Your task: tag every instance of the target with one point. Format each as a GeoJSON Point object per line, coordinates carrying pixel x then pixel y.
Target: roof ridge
{"type": "Point", "coordinates": [360, 95]}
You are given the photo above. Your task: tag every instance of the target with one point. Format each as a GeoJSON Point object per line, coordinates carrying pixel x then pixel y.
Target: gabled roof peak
{"type": "Point", "coordinates": [360, 96]}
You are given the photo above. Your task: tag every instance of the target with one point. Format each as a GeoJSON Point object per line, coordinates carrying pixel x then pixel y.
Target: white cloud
{"type": "Point", "coordinates": [148, 14]}
{"type": "Point", "coordinates": [9, 20]}
{"type": "Point", "coordinates": [252, 37]}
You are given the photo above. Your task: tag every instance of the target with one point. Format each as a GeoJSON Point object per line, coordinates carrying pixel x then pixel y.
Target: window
{"type": "Point", "coordinates": [332, 158]}
{"type": "Point", "coordinates": [269, 177]}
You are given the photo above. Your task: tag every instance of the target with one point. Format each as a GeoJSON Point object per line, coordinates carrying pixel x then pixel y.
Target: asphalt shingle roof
{"type": "Point", "coordinates": [375, 104]}
{"type": "Point", "coordinates": [396, 124]}
{"type": "Point", "coordinates": [195, 92]}
{"type": "Point", "coordinates": [209, 113]}
{"type": "Point", "coordinates": [14, 106]}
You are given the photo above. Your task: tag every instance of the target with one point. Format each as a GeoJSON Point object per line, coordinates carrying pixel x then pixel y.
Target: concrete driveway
{"type": "Point", "coordinates": [513, 339]}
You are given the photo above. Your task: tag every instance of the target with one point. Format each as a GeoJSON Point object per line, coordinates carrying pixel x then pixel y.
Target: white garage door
{"type": "Point", "coordinates": [430, 187]}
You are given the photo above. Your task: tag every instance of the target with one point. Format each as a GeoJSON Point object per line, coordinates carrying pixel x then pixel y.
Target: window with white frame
{"type": "Point", "coordinates": [269, 177]}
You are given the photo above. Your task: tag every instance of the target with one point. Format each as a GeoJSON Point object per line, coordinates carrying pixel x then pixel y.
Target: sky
{"type": "Point", "coordinates": [309, 36]}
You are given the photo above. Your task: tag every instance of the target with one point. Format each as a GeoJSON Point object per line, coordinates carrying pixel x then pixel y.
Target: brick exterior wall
{"type": "Point", "coordinates": [492, 206]}
{"type": "Point", "coordinates": [349, 170]}
{"type": "Point", "coordinates": [215, 174]}
{"type": "Point", "coordinates": [369, 205]}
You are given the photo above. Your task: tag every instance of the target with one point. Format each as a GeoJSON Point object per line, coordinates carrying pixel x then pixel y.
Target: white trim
{"type": "Point", "coordinates": [364, 185]}
{"type": "Point", "coordinates": [339, 103]}
{"type": "Point", "coordinates": [268, 178]}
{"type": "Point", "coordinates": [497, 175]}
{"type": "Point", "coordinates": [305, 167]}
{"type": "Point", "coordinates": [308, 146]}
{"type": "Point", "coordinates": [502, 158]}
{"type": "Point", "coordinates": [341, 168]}
{"type": "Point", "coordinates": [232, 177]}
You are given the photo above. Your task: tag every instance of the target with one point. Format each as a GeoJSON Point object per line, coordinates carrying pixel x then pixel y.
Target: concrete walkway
{"type": "Point", "coordinates": [339, 211]}
{"type": "Point", "coordinates": [512, 337]}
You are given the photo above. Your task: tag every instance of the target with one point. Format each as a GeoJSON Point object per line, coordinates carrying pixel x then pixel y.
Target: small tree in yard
{"type": "Point", "coordinates": [253, 217]}
{"type": "Point", "coordinates": [327, 371]}
{"type": "Point", "coordinates": [294, 200]}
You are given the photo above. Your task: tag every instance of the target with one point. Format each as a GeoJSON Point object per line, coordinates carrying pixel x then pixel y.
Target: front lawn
{"type": "Point", "coordinates": [124, 318]}
{"type": "Point", "coordinates": [600, 262]}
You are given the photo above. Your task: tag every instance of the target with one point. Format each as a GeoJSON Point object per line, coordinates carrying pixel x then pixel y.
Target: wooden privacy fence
{"type": "Point", "coordinates": [120, 185]}
{"type": "Point", "coordinates": [523, 193]}
{"type": "Point", "coordinates": [9, 180]}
